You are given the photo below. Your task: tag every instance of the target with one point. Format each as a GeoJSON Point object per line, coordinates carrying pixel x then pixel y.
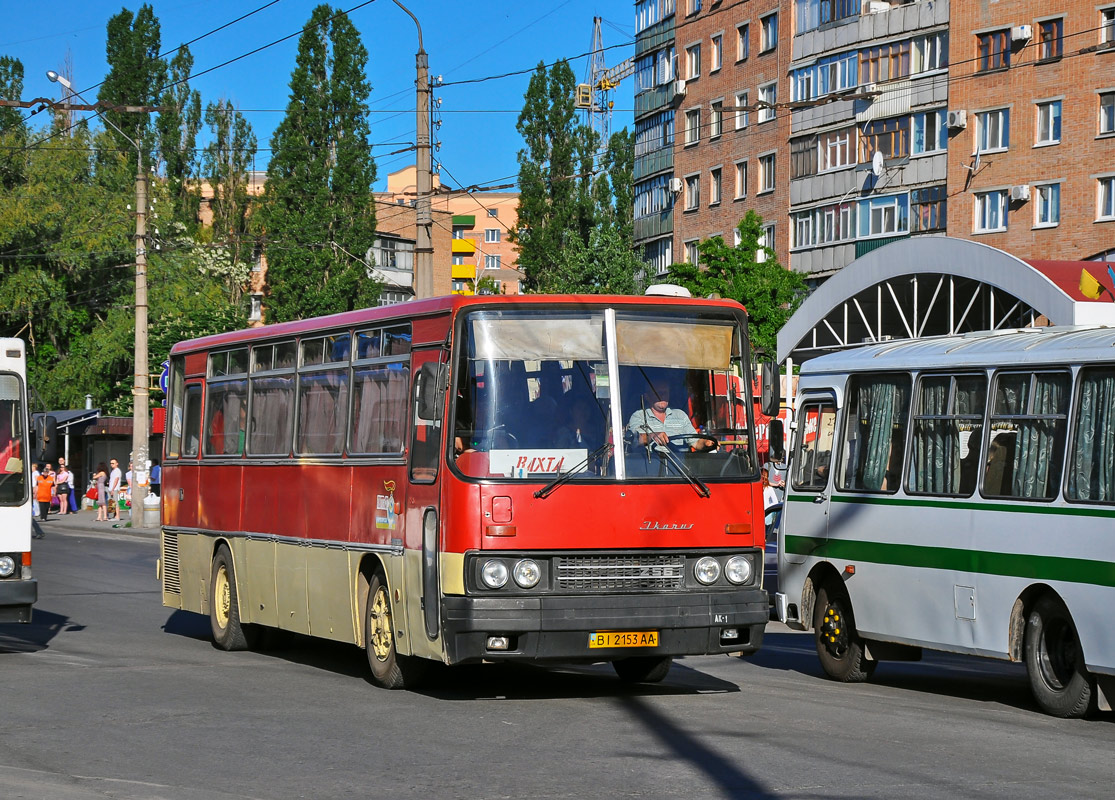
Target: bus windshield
{"type": "Point", "coordinates": [13, 467]}
{"type": "Point", "coordinates": [638, 394]}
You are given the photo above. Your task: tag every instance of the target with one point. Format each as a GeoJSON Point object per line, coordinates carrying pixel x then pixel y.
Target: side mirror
{"type": "Point", "coordinates": [44, 439]}
{"type": "Point", "coordinates": [776, 439]}
{"type": "Point", "coordinates": [431, 390]}
{"type": "Point", "coordinates": [770, 399]}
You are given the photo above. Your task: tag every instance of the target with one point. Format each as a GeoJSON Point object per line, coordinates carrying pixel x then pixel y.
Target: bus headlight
{"type": "Point", "coordinates": [494, 574]}
{"type": "Point", "coordinates": [7, 566]}
{"type": "Point", "coordinates": [738, 569]}
{"type": "Point", "coordinates": [707, 570]}
{"type": "Point", "coordinates": [527, 574]}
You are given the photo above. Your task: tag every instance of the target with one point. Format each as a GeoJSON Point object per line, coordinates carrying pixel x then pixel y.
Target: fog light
{"type": "Point", "coordinates": [729, 633]}
{"type": "Point", "coordinates": [498, 643]}
{"type": "Point", "coordinates": [7, 566]}
{"type": "Point", "coordinates": [738, 569]}
{"type": "Point", "coordinates": [707, 570]}
{"type": "Point", "coordinates": [494, 574]}
{"type": "Point", "coordinates": [527, 573]}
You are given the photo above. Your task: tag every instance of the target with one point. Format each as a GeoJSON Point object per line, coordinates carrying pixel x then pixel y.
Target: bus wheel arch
{"type": "Point", "coordinates": [224, 603]}
{"type": "Point", "coordinates": [841, 651]}
{"type": "Point", "coordinates": [821, 574]}
{"type": "Point", "coordinates": [1055, 663]}
{"type": "Point", "coordinates": [1016, 633]}
{"type": "Point", "coordinates": [369, 566]}
{"type": "Point", "coordinates": [390, 669]}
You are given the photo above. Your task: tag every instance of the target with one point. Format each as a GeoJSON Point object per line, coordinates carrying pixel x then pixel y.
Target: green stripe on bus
{"type": "Point", "coordinates": [969, 505]}
{"type": "Point", "coordinates": [1014, 565]}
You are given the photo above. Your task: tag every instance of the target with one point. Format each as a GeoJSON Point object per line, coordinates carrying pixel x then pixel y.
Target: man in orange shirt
{"type": "Point", "coordinates": [44, 491]}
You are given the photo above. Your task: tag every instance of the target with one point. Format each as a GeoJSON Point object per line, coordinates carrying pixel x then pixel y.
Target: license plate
{"type": "Point", "coordinates": [600, 639]}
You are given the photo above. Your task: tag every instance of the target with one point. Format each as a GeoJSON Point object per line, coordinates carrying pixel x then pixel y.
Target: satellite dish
{"type": "Point", "coordinates": [877, 165]}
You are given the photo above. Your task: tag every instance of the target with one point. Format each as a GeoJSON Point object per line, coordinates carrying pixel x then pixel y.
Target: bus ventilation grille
{"type": "Point", "coordinates": [172, 580]}
{"type": "Point", "coordinates": [621, 573]}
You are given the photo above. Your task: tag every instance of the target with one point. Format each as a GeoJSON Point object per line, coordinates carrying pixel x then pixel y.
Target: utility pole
{"type": "Point", "coordinates": [424, 221]}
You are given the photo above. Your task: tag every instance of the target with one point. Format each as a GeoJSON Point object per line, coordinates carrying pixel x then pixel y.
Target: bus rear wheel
{"type": "Point", "coordinates": [224, 605]}
{"type": "Point", "coordinates": [1055, 662]}
{"type": "Point", "coordinates": [390, 670]}
{"type": "Point", "coordinates": [839, 647]}
{"type": "Point", "coordinates": [642, 669]}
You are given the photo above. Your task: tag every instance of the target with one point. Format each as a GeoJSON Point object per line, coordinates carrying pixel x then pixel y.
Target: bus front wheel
{"type": "Point", "coordinates": [224, 605]}
{"type": "Point", "coordinates": [1055, 662]}
{"type": "Point", "coordinates": [390, 670]}
{"type": "Point", "coordinates": [839, 647]}
{"type": "Point", "coordinates": [642, 669]}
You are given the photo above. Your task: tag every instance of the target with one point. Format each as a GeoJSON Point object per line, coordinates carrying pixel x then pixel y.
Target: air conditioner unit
{"type": "Point", "coordinates": [676, 184]}
{"type": "Point", "coordinates": [958, 119]}
{"type": "Point", "coordinates": [877, 6]}
{"type": "Point", "coordinates": [679, 88]}
{"type": "Point", "coordinates": [1020, 193]}
{"type": "Point", "coordinates": [1021, 33]}
{"type": "Point", "coordinates": [869, 88]}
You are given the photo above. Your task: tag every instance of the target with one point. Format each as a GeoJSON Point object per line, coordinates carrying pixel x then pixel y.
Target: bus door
{"type": "Point", "coordinates": [805, 515]}
{"type": "Point", "coordinates": [180, 486]}
{"type": "Point", "coordinates": [423, 509]}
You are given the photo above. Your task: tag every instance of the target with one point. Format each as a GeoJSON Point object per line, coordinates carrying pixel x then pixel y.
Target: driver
{"type": "Point", "coordinates": [656, 421]}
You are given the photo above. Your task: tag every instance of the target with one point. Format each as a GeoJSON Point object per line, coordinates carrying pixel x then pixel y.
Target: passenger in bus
{"type": "Point", "coordinates": [583, 424]}
{"type": "Point", "coordinates": [997, 475]}
{"type": "Point", "coordinates": [656, 421]}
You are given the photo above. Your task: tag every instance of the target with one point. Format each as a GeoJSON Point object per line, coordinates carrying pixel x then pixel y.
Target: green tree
{"type": "Point", "coordinates": [13, 132]}
{"type": "Point", "coordinates": [606, 265]}
{"type": "Point", "coordinates": [318, 215]}
{"type": "Point", "coordinates": [177, 128]}
{"type": "Point", "coordinates": [770, 293]}
{"type": "Point", "coordinates": [226, 163]}
{"type": "Point", "coordinates": [135, 76]}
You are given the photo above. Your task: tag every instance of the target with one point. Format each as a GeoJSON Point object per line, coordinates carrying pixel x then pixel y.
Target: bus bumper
{"type": "Point", "coordinates": [558, 627]}
{"type": "Point", "coordinates": [16, 598]}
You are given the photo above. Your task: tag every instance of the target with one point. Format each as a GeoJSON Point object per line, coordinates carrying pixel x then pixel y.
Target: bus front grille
{"type": "Point", "coordinates": [619, 573]}
{"type": "Point", "coordinates": [172, 580]}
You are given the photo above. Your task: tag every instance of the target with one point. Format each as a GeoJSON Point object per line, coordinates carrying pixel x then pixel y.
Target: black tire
{"type": "Point", "coordinates": [839, 647]}
{"type": "Point", "coordinates": [1055, 663]}
{"type": "Point", "coordinates": [390, 670]}
{"type": "Point", "coordinates": [224, 606]}
{"type": "Point", "coordinates": [642, 669]}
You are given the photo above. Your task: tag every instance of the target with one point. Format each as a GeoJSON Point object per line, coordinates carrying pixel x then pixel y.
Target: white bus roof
{"type": "Point", "coordinates": [1024, 346]}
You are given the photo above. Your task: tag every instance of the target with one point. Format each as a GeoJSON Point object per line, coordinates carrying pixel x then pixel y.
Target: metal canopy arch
{"type": "Point", "coordinates": [933, 286]}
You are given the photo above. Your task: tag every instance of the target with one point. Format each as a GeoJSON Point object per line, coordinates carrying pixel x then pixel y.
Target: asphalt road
{"type": "Point", "coordinates": [107, 694]}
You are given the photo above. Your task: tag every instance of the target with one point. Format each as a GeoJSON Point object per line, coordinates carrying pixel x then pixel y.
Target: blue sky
{"type": "Point", "coordinates": [464, 41]}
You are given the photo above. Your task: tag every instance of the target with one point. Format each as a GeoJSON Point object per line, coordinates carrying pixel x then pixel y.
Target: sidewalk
{"type": "Point", "coordinates": [85, 521]}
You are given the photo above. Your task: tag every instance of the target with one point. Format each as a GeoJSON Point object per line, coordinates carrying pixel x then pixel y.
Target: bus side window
{"type": "Point", "coordinates": [816, 425]}
{"type": "Point", "coordinates": [192, 432]}
{"type": "Point", "coordinates": [878, 411]}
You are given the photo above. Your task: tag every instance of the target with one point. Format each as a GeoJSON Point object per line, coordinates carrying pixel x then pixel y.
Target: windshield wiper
{"type": "Point", "coordinates": [697, 484]}
{"type": "Point", "coordinates": [565, 477]}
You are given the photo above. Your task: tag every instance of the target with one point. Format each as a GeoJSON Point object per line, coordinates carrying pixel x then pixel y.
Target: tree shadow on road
{"type": "Point", "coordinates": [36, 634]}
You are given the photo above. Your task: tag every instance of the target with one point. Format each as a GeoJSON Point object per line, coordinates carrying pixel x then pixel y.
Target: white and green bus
{"type": "Point", "coordinates": [969, 507]}
{"type": "Point", "coordinates": [18, 590]}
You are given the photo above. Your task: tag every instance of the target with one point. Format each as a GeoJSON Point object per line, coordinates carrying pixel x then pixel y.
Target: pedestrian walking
{"type": "Point", "coordinates": [114, 479]}
{"type": "Point", "coordinates": [101, 477]}
{"type": "Point", "coordinates": [44, 491]}
{"type": "Point", "coordinates": [156, 477]}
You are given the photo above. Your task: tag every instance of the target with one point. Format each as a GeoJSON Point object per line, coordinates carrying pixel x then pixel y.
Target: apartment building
{"type": "Point", "coordinates": [1032, 127]}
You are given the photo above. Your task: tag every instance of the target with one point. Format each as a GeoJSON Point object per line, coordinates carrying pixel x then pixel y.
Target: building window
{"type": "Point", "coordinates": [803, 157]}
{"type": "Point", "coordinates": [993, 50]}
{"type": "Point", "coordinates": [693, 62]}
{"type": "Point", "coordinates": [812, 14]}
{"type": "Point", "coordinates": [1107, 25]}
{"type": "Point", "coordinates": [766, 172]}
{"type": "Point", "coordinates": [991, 211]}
{"type": "Point", "coordinates": [460, 286]}
{"type": "Point", "coordinates": [692, 254]}
{"type": "Point", "coordinates": [741, 110]}
{"type": "Point", "coordinates": [714, 187]}
{"type": "Point", "coordinates": [693, 7]}
{"type": "Point", "coordinates": [654, 133]}
{"type": "Point", "coordinates": [1106, 207]}
{"type": "Point", "coordinates": [891, 137]}
{"type": "Point", "coordinates": [930, 52]}
{"type": "Point", "coordinates": [256, 314]}
{"type": "Point", "coordinates": [743, 42]}
{"type": "Point", "coordinates": [1107, 112]}
{"type": "Point", "coordinates": [716, 124]}
{"type": "Point", "coordinates": [835, 149]}
{"type": "Point", "coordinates": [492, 262]}
{"type": "Point", "coordinates": [766, 242]}
{"type": "Point", "coordinates": [768, 32]}
{"type": "Point", "coordinates": [717, 53]}
{"type": "Point", "coordinates": [1047, 209]}
{"type": "Point", "coordinates": [493, 212]}
{"type": "Point", "coordinates": [930, 132]}
{"type": "Point", "coordinates": [889, 61]}
{"type": "Point", "coordinates": [458, 259]}
{"type": "Point", "coordinates": [825, 225]}
{"type": "Point", "coordinates": [993, 130]}
{"type": "Point", "coordinates": [831, 74]}
{"type": "Point", "coordinates": [884, 216]}
{"type": "Point", "coordinates": [692, 192]}
{"type": "Point", "coordinates": [928, 209]}
{"type": "Point", "coordinates": [1050, 35]}
{"type": "Point", "coordinates": [741, 179]}
{"type": "Point", "coordinates": [768, 96]}
{"type": "Point", "coordinates": [693, 126]}
{"type": "Point", "coordinates": [491, 235]}
{"type": "Point", "coordinates": [1049, 122]}
{"type": "Point", "coordinates": [458, 233]}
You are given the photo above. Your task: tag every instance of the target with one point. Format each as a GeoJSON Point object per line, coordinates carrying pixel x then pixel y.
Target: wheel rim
{"type": "Point", "coordinates": [222, 596]}
{"type": "Point", "coordinates": [379, 625]}
{"type": "Point", "coordinates": [1057, 654]}
{"type": "Point", "coordinates": [833, 631]}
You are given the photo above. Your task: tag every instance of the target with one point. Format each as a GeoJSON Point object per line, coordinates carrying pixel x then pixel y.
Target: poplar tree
{"type": "Point", "coordinates": [226, 163]}
{"type": "Point", "coordinates": [135, 76]}
{"type": "Point", "coordinates": [177, 128]}
{"type": "Point", "coordinates": [318, 213]}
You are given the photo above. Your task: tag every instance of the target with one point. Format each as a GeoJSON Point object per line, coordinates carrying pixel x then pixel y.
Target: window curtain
{"type": "Point", "coordinates": [324, 405]}
{"type": "Point", "coordinates": [382, 417]}
{"type": "Point", "coordinates": [1035, 469]}
{"type": "Point", "coordinates": [936, 467]}
{"type": "Point", "coordinates": [881, 405]}
{"type": "Point", "coordinates": [272, 402]}
{"type": "Point", "coordinates": [1092, 466]}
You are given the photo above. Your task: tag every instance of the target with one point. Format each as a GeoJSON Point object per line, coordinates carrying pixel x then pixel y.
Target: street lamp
{"type": "Point", "coordinates": [140, 389]}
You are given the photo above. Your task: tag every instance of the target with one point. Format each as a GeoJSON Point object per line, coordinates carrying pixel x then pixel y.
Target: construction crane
{"type": "Point", "coordinates": [595, 96]}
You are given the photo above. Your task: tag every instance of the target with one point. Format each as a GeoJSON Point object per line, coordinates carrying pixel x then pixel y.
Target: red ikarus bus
{"type": "Point", "coordinates": [470, 479]}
